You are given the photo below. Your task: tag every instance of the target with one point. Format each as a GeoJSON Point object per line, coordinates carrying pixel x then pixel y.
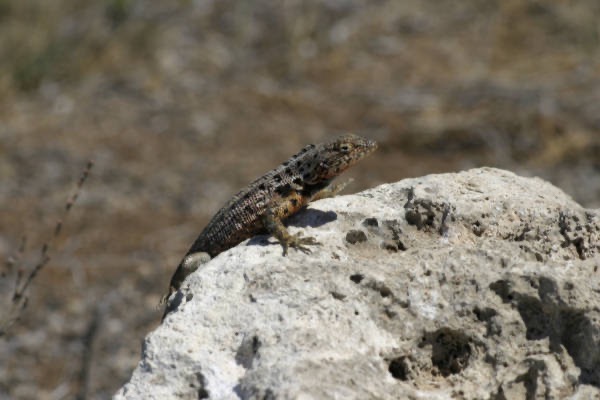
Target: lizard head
{"type": "Point", "coordinates": [334, 157]}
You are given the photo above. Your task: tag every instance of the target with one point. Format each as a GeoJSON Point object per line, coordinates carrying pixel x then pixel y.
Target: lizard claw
{"type": "Point", "coordinates": [299, 242]}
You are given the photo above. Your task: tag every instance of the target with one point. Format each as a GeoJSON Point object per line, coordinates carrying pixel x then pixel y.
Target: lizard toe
{"type": "Point", "coordinates": [304, 249]}
{"type": "Point", "coordinates": [300, 243]}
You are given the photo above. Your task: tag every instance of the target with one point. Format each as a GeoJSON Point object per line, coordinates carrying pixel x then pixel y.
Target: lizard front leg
{"type": "Point", "coordinates": [331, 190]}
{"type": "Point", "coordinates": [280, 207]}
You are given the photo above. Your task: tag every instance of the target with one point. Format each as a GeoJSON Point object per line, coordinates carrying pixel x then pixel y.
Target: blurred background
{"type": "Point", "coordinates": [182, 103]}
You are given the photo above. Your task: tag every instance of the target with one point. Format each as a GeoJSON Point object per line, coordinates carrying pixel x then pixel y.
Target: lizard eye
{"type": "Point", "coordinates": [345, 147]}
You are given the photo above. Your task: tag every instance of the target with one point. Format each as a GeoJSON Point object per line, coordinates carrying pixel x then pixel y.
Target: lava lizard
{"type": "Point", "coordinates": [263, 205]}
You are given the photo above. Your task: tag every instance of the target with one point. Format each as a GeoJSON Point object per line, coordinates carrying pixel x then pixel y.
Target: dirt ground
{"type": "Point", "coordinates": [180, 104]}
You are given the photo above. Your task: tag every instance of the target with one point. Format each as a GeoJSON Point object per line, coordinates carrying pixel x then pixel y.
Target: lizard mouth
{"type": "Point", "coordinates": [370, 146]}
{"type": "Point", "coordinates": [363, 149]}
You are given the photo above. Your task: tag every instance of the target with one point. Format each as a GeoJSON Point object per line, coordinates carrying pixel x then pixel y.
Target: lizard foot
{"type": "Point", "coordinates": [299, 242]}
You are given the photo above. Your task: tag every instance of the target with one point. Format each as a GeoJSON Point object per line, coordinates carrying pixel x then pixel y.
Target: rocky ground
{"type": "Point", "coordinates": [180, 104]}
{"type": "Point", "coordinates": [477, 285]}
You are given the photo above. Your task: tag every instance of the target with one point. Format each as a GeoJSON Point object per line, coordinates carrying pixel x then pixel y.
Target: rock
{"type": "Point", "coordinates": [475, 285]}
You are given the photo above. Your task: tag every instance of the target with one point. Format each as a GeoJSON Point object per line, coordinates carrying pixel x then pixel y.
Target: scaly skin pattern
{"type": "Point", "coordinates": [263, 205]}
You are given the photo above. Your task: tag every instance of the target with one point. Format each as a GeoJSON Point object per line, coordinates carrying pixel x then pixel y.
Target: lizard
{"type": "Point", "coordinates": [264, 204]}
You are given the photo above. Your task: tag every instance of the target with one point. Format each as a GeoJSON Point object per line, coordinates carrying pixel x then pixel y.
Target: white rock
{"type": "Point", "coordinates": [474, 285]}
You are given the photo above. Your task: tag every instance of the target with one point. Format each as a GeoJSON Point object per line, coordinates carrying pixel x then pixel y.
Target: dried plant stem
{"type": "Point", "coordinates": [87, 357]}
{"type": "Point", "coordinates": [23, 279]}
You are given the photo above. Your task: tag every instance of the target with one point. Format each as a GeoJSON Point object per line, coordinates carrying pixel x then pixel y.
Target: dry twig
{"type": "Point", "coordinates": [23, 278]}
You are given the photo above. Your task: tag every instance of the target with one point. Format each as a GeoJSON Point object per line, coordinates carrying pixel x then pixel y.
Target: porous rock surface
{"type": "Point", "coordinates": [475, 285]}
